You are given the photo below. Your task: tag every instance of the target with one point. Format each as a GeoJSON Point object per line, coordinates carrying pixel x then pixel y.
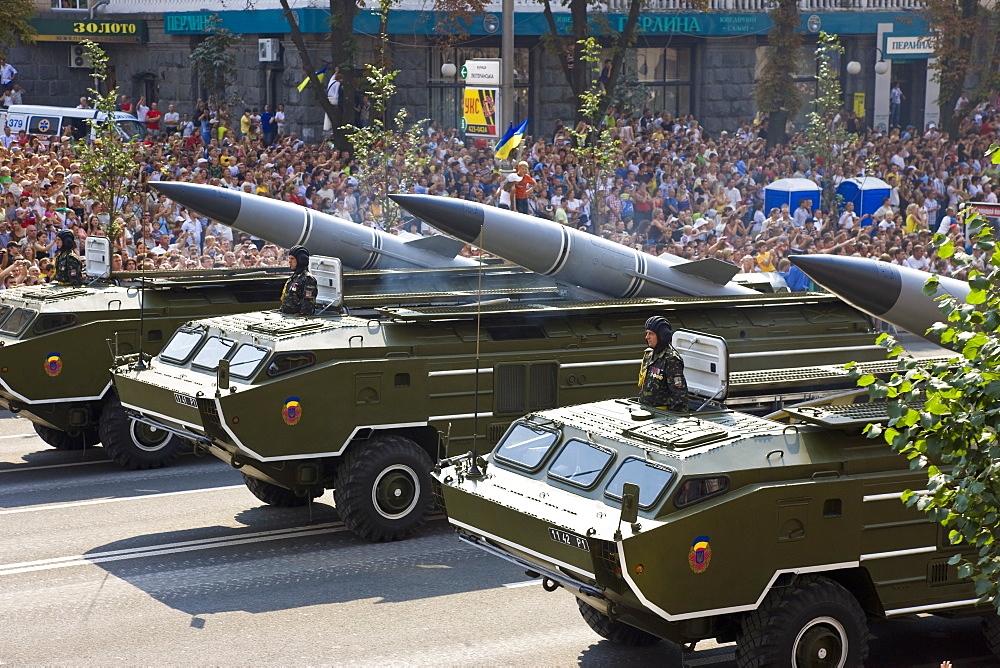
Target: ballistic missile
{"type": "Point", "coordinates": [571, 257]}
{"type": "Point", "coordinates": [287, 225]}
{"type": "Point", "coordinates": [890, 292]}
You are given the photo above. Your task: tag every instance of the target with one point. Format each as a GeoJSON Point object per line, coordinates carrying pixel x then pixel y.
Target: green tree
{"type": "Point", "coordinates": [596, 145]}
{"type": "Point", "coordinates": [341, 58]}
{"type": "Point", "coordinates": [823, 141]}
{"type": "Point", "coordinates": [383, 146]}
{"type": "Point", "coordinates": [108, 164]}
{"type": "Point", "coordinates": [775, 91]}
{"type": "Point", "coordinates": [946, 418]}
{"type": "Point", "coordinates": [966, 49]}
{"type": "Point", "coordinates": [14, 16]}
{"type": "Point", "coordinates": [214, 58]}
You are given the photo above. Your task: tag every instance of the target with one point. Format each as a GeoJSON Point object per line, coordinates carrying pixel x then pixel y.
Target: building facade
{"type": "Point", "coordinates": [687, 62]}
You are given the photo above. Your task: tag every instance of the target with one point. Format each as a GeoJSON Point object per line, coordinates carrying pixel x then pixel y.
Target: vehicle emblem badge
{"type": "Point", "coordinates": [53, 364]}
{"type": "Point", "coordinates": [292, 412]}
{"type": "Point", "coordinates": [700, 555]}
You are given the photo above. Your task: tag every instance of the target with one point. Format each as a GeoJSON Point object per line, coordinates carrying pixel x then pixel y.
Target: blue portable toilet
{"type": "Point", "coordinates": [790, 192]}
{"type": "Point", "coordinates": [866, 192]}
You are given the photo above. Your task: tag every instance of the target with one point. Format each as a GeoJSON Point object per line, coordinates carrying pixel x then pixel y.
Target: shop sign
{"type": "Point", "coordinates": [69, 30]}
{"type": "Point", "coordinates": [908, 46]}
{"type": "Point", "coordinates": [480, 112]}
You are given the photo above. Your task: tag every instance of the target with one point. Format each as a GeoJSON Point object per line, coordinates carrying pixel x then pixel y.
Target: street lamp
{"type": "Point", "coordinates": [448, 70]}
{"type": "Point", "coordinates": [881, 67]}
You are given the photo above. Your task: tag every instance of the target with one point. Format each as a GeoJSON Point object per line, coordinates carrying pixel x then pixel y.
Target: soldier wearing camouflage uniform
{"type": "Point", "coordinates": [661, 376]}
{"type": "Point", "coordinates": [299, 295]}
{"type": "Point", "coordinates": [69, 268]}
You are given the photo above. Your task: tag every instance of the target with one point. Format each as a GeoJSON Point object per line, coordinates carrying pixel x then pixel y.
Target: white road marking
{"type": "Point", "coordinates": [528, 583]}
{"type": "Point", "coordinates": [54, 466]}
{"type": "Point", "coordinates": [168, 548]}
{"type": "Point", "coordinates": [20, 436]}
{"type": "Point", "coordinates": [94, 502]}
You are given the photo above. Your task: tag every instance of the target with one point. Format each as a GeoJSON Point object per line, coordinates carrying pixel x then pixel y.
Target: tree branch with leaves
{"type": "Point", "coordinates": [945, 418]}
{"type": "Point", "coordinates": [109, 162]}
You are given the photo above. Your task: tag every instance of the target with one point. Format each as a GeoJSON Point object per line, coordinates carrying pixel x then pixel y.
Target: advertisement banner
{"type": "Point", "coordinates": [480, 113]}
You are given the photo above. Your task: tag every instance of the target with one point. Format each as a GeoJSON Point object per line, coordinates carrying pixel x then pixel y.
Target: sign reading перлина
{"type": "Point", "coordinates": [481, 98]}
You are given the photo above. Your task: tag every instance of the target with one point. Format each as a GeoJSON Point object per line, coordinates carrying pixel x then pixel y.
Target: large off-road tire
{"type": "Point", "coordinates": [61, 440]}
{"type": "Point", "coordinates": [383, 488]}
{"type": "Point", "coordinates": [134, 445]}
{"type": "Point", "coordinates": [814, 623]}
{"type": "Point", "coordinates": [274, 495]}
{"type": "Point", "coordinates": [616, 632]}
{"type": "Point", "coordinates": [991, 629]}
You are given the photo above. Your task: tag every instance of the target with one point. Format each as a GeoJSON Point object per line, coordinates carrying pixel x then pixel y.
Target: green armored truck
{"type": "Point", "coordinates": [364, 405]}
{"type": "Point", "coordinates": [57, 343]}
{"type": "Point", "coordinates": [784, 533]}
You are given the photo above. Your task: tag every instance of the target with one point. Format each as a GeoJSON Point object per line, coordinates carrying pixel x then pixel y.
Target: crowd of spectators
{"type": "Point", "coordinates": [675, 188]}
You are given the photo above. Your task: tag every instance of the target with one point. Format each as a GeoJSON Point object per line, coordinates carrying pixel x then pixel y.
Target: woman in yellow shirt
{"type": "Point", "coordinates": [913, 221]}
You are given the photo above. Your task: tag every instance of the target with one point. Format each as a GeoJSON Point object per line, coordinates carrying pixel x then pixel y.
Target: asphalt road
{"type": "Point", "coordinates": [183, 566]}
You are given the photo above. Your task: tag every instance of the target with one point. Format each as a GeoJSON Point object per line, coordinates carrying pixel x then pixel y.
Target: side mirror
{"type": "Point", "coordinates": [630, 503]}
{"type": "Point", "coordinates": [222, 376]}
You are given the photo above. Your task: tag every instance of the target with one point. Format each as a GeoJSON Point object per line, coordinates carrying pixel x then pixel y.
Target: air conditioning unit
{"type": "Point", "coordinates": [268, 50]}
{"type": "Point", "coordinates": [78, 57]}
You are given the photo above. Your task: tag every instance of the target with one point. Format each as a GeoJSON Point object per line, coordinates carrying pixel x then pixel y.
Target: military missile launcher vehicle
{"type": "Point", "coordinates": [364, 405]}
{"type": "Point", "coordinates": [784, 533]}
{"type": "Point", "coordinates": [57, 343]}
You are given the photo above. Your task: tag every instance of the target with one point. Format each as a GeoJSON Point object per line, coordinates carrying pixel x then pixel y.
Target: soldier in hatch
{"type": "Point", "coordinates": [661, 376]}
{"type": "Point", "coordinates": [69, 269]}
{"type": "Point", "coordinates": [299, 295]}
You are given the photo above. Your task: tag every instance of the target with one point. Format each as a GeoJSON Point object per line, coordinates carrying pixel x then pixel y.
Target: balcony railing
{"type": "Point", "coordinates": [615, 6]}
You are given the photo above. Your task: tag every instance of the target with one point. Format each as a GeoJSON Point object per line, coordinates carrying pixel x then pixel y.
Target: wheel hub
{"type": "Point", "coordinates": [396, 491]}
{"type": "Point", "coordinates": [821, 644]}
{"type": "Point", "coordinates": [147, 437]}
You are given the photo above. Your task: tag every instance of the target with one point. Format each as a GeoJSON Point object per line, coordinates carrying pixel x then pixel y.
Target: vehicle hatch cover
{"type": "Point", "coordinates": [679, 434]}
{"type": "Point", "coordinates": [49, 295]}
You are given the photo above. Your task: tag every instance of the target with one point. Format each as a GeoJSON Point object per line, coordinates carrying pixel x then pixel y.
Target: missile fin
{"type": "Point", "coordinates": [709, 269]}
{"type": "Point", "coordinates": [439, 245]}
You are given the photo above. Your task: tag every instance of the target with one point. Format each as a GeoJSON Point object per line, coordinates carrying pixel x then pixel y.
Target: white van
{"type": "Point", "coordinates": [41, 120]}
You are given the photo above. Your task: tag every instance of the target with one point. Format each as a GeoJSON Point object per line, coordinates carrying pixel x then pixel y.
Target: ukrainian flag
{"type": "Point", "coordinates": [510, 140]}
{"type": "Point", "coordinates": [305, 82]}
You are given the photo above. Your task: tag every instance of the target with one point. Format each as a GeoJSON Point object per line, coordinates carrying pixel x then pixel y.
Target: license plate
{"type": "Point", "coordinates": [567, 538]}
{"type": "Point", "coordinates": [185, 400]}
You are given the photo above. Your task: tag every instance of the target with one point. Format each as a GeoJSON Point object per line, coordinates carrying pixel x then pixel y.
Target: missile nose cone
{"type": "Point", "coordinates": [451, 216]}
{"type": "Point", "coordinates": [216, 203]}
{"type": "Point", "coordinates": [871, 285]}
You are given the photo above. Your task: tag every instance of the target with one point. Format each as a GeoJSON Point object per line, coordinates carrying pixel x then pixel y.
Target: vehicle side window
{"type": "Point", "coordinates": [215, 349]}
{"type": "Point", "coordinates": [17, 321]}
{"type": "Point", "coordinates": [581, 463]}
{"type": "Point", "coordinates": [178, 350]}
{"type": "Point", "coordinates": [246, 360]}
{"type": "Point", "coordinates": [651, 478]}
{"type": "Point", "coordinates": [525, 446]}
{"type": "Point", "coordinates": [286, 362]}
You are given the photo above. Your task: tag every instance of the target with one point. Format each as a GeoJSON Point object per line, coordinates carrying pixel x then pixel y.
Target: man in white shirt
{"type": "Point", "coordinates": [803, 213]}
{"type": "Point", "coordinates": [7, 72]}
{"type": "Point", "coordinates": [7, 138]}
{"type": "Point", "coordinates": [171, 120]}
{"type": "Point", "coordinates": [989, 195]}
{"type": "Point", "coordinates": [848, 218]}
{"type": "Point", "coordinates": [917, 260]}
{"type": "Point", "coordinates": [333, 93]}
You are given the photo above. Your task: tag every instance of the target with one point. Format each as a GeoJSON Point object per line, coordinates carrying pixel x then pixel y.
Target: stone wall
{"type": "Point", "coordinates": [723, 93]}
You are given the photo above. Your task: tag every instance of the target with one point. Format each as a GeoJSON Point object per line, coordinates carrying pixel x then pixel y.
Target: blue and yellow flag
{"type": "Point", "coordinates": [510, 140]}
{"type": "Point", "coordinates": [305, 82]}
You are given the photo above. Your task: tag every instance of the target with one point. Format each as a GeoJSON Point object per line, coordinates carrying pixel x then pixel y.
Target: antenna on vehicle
{"type": "Point", "coordinates": [474, 471]}
{"type": "Point", "coordinates": [141, 364]}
